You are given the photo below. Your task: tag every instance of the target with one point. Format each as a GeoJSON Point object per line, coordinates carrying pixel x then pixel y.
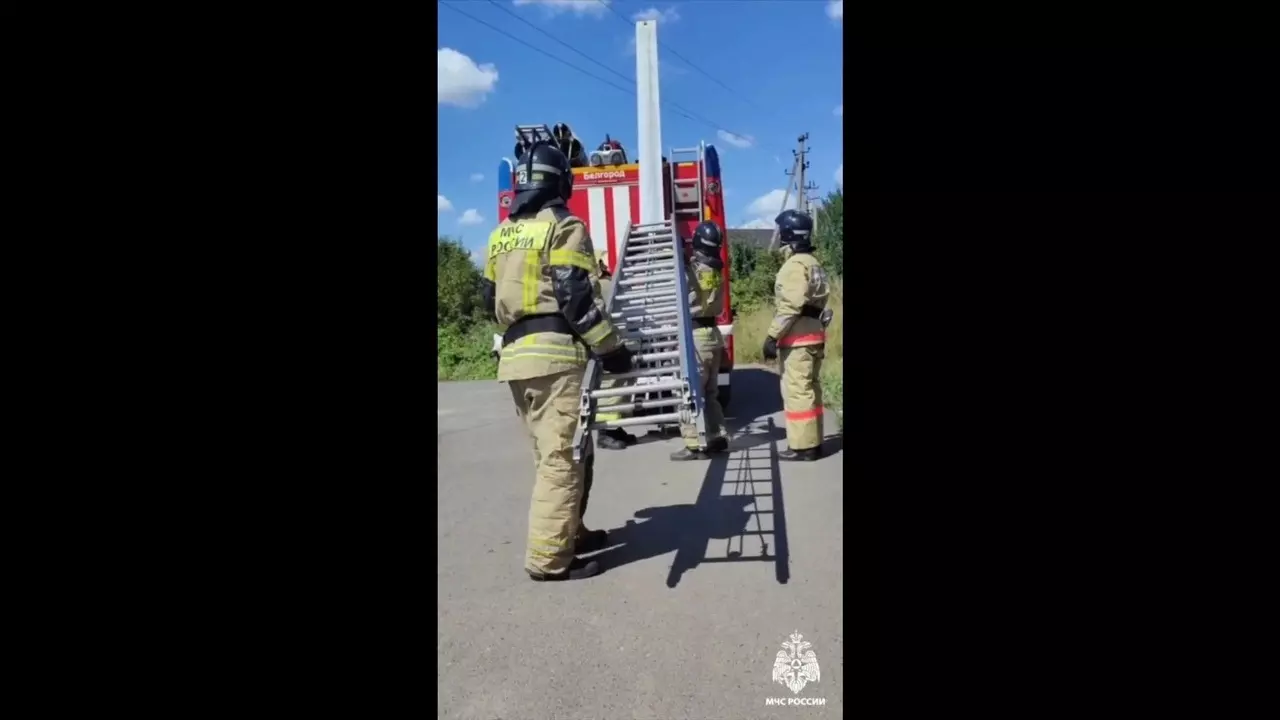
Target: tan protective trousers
{"type": "Point", "coordinates": [549, 407]}
{"type": "Point", "coordinates": [708, 344]}
{"type": "Point", "coordinates": [802, 395]}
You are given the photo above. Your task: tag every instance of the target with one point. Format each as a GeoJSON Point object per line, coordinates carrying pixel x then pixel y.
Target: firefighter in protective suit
{"type": "Point", "coordinates": [541, 283]}
{"type": "Point", "coordinates": [799, 334]}
{"type": "Point", "coordinates": [613, 438]}
{"type": "Point", "coordinates": [704, 271]}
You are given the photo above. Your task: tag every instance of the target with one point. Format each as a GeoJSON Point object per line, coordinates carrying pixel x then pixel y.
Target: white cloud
{"type": "Point", "coordinates": [770, 204]}
{"type": "Point", "coordinates": [669, 15]}
{"type": "Point", "coordinates": [840, 175]}
{"type": "Point", "coordinates": [757, 224]}
{"type": "Point", "coordinates": [740, 141]}
{"type": "Point", "coordinates": [443, 204]}
{"type": "Point", "coordinates": [577, 7]}
{"type": "Point", "coordinates": [461, 82]}
{"type": "Point", "coordinates": [835, 10]}
{"type": "Point", "coordinates": [470, 217]}
{"type": "Point", "coordinates": [477, 177]}
{"type": "Point", "coordinates": [839, 109]}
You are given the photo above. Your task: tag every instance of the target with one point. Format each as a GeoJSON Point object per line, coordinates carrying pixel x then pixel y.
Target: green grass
{"type": "Point", "coordinates": [465, 354]}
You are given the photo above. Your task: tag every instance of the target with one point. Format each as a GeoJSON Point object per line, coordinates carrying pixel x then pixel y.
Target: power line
{"type": "Point", "coordinates": [553, 37]}
{"type": "Point", "coordinates": [684, 59]}
{"type": "Point", "coordinates": [679, 109]}
{"type": "Point", "coordinates": [537, 49]}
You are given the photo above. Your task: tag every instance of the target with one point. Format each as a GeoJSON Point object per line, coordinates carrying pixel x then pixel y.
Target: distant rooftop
{"type": "Point", "coordinates": [753, 237]}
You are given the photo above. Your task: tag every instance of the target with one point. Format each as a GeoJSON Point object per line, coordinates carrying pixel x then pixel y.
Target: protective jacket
{"type": "Point", "coordinates": [706, 296]}
{"type": "Point", "coordinates": [541, 283]}
{"type": "Point", "coordinates": [800, 295]}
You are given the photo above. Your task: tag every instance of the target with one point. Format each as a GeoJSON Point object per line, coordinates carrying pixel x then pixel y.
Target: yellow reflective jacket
{"type": "Point", "coordinates": [800, 292]}
{"type": "Point", "coordinates": [542, 267]}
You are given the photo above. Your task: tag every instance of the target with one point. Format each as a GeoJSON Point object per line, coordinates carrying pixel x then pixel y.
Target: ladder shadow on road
{"type": "Point", "coordinates": [739, 508]}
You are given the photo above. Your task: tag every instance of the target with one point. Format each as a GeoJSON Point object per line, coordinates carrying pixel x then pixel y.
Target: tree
{"type": "Point", "coordinates": [458, 298]}
{"type": "Point", "coordinates": [829, 238]}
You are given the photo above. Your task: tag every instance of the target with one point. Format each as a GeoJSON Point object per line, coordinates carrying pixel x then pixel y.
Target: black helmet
{"type": "Point", "coordinates": [544, 167]}
{"type": "Point", "coordinates": [795, 229]}
{"type": "Point", "coordinates": [707, 239]}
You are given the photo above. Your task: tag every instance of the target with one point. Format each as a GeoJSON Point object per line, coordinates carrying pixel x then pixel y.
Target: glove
{"type": "Point", "coordinates": [770, 349]}
{"type": "Point", "coordinates": [618, 361]}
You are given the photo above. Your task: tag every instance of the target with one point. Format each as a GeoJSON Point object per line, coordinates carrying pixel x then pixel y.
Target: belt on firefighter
{"type": "Point", "coordinates": [810, 311]}
{"type": "Point", "coordinates": [704, 322]}
{"type": "Point", "coordinates": [531, 324]}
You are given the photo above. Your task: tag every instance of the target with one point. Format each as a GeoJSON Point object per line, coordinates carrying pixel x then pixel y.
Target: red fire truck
{"type": "Point", "coordinates": [607, 197]}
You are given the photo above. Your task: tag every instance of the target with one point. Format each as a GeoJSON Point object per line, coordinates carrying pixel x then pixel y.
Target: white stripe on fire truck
{"type": "Point", "coordinates": [621, 210]}
{"type": "Point", "coordinates": [597, 225]}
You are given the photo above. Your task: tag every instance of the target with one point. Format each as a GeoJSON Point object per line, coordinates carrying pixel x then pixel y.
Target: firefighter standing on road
{"type": "Point", "coordinates": [706, 300]}
{"type": "Point", "coordinates": [799, 333]}
{"type": "Point", "coordinates": [540, 282]}
{"type": "Point", "coordinates": [613, 438]}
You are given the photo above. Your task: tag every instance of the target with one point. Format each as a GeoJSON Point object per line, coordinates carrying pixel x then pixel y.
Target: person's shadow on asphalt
{"type": "Point", "coordinates": [689, 530]}
{"type": "Point", "coordinates": [684, 529]}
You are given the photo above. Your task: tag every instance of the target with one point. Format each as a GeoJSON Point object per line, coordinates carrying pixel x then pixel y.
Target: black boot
{"type": "Point", "coordinates": [615, 439]}
{"type": "Point", "coordinates": [806, 455]}
{"type": "Point", "coordinates": [590, 541]}
{"type": "Point", "coordinates": [689, 454]}
{"type": "Point", "coordinates": [579, 569]}
{"type": "Point", "coordinates": [718, 445]}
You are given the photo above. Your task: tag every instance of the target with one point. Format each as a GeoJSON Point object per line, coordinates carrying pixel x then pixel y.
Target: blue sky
{"type": "Point", "coordinates": [780, 60]}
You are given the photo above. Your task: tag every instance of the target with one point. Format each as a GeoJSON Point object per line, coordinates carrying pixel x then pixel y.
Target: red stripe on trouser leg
{"type": "Point", "coordinates": [802, 395]}
{"type": "Point", "coordinates": [808, 339]}
{"type": "Point", "coordinates": [801, 415]}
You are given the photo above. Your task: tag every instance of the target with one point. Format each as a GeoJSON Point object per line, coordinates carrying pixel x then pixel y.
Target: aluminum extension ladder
{"type": "Point", "coordinates": [682, 189]}
{"type": "Point", "coordinates": [649, 305]}
{"type": "Point", "coordinates": [534, 134]}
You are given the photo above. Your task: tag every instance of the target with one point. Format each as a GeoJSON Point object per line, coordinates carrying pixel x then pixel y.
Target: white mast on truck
{"type": "Point", "coordinates": [649, 124]}
{"type": "Point", "coordinates": [648, 302]}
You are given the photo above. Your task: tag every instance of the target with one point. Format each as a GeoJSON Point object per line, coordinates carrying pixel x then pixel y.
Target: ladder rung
{"type": "Point", "coordinates": [647, 279]}
{"type": "Point", "coordinates": [631, 318]}
{"type": "Point", "coordinates": [635, 405]}
{"type": "Point", "coordinates": [655, 357]}
{"type": "Point", "coordinates": [665, 291]}
{"type": "Point", "coordinates": [650, 267]}
{"type": "Point", "coordinates": [654, 256]}
{"type": "Point", "coordinates": [651, 308]}
{"type": "Point", "coordinates": [634, 374]}
{"type": "Point", "coordinates": [687, 212]}
{"type": "Point", "coordinates": [629, 405]}
{"type": "Point", "coordinates": [644, 230]}
{"type": "Point", "coordinates": [631, 390]}
{"type": "Point", "coordinates": [682, 181]}
{"type": "Point", "coordinates": [641, 333]}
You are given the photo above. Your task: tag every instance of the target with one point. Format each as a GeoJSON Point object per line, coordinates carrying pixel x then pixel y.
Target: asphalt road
{"type": "Point", "coordinates": [716, 565]}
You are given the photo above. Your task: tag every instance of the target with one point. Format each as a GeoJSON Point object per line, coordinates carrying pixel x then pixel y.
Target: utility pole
{"type": "Point", "coordinates": [773, 241]}
{"type": "Point", "coordinates": [796, 173]}
{"type": "Point", "coordinates": [802, 163]}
